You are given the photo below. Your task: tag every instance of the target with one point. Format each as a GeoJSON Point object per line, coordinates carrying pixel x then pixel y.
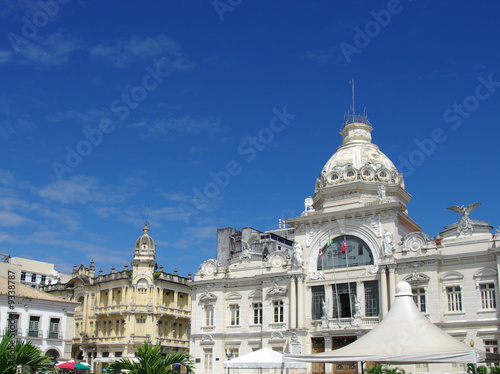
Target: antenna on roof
{"type": "Point", "coordinates": [147, 215]}
{"type": "Point", "coordinates": [352, 88]}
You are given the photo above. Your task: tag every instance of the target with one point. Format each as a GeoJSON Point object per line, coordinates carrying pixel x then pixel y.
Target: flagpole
{"type": "Point", "coordinates": [325, 288]}
{"type": "Point", "coordinates": [348, 279]}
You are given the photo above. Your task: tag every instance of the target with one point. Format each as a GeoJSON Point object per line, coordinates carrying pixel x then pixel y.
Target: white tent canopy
{"type": "Point", "coordinates": [263, 358]}
{"type": "Point", "coordinates": [405, 335]}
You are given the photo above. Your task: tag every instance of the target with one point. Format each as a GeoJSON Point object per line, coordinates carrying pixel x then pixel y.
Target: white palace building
{"type": "Point", "coordinates": [330, 276]}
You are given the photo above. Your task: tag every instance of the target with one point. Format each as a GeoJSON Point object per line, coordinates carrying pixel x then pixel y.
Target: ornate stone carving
{"type": "Point", "coordinates": [371, 222]}
{"type": "Point", "coordinates": [276, 260]}
{"type": "Point", "coordinates": [415, 241]}
{"type": "Point", "coordinates": [381, 192]}
{"type": "Point", "coordinates": [308, 204]}
{"type": "Point", "coordinates": [277, 292]}
{"type": "Point", "coordinates": [387, 243]}
{"type": "Point", "coordinates": [208, 298]}
{"type": "Point", "coordinates": [341, 224]}
{"type": "Point", "coordinates": [464, 226]}
{"type": "Point", "coordinates": [372, 270]}
{"type": "Point", "coordinates": [246, 255]}
{"type": "Point", "coordinates": [209, 267]}
{"type": "Point", "coordinates": [311, 232]}
{"type": "Point", "coordinates": [297, 255]}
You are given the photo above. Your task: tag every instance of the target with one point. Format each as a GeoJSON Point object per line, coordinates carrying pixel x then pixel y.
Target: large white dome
{"type": "Point", "coordinates": [358, 159]}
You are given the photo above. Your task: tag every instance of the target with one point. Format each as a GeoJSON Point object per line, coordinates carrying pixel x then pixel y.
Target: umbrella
{"type": "Point", "coordinates": [75, 365]}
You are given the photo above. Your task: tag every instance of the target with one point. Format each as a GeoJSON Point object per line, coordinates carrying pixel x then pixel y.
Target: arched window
{"type": "Point", "coordinates": [357, 253]}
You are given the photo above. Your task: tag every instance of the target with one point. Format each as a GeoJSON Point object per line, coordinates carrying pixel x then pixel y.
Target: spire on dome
{"type": "Point", "coordinates": [145, 229]}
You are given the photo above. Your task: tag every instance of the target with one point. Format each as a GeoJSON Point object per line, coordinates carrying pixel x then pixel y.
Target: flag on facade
{"type": "Point", "coordinates": [344, 245]}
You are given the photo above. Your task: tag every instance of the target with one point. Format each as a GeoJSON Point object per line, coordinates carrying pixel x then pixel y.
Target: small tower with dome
{"type": "Point", "coordinates": [144, 253]}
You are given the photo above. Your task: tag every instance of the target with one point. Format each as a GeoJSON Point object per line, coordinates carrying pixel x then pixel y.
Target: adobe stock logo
{"type": "Point", "coordinates": [121, 108]}
{"type": "Point", "coordinates": [219, 180]}
{"type": "Point", "coordinates": [372, 28]}
{"type": "Point", "coordinates": [223, 6]}
{"type": "Point", "coordinates": [455, 115]}
{"type": "Point", "coordinates": [29, 29]}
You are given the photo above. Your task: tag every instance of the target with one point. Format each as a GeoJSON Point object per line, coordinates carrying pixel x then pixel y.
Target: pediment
{"type": "Point", "coordinates": [485, 273]}
{"type": "Point", "coordinates": [452, 275]}
{"type": "Point", "coordinates": [233, 296]}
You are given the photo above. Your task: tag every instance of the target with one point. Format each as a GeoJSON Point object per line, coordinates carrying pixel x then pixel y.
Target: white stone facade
{"type": "Point", "coordinates": [44, 319]}
{"type": "Point", "coordinates": [330, 277]}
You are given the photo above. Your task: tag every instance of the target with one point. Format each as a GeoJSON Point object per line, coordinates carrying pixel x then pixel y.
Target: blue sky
{"type": "Point", "coordinates": [197, 115]}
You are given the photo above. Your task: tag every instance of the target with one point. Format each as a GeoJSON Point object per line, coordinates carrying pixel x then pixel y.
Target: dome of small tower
{"type": "Point", "coordinates": [358, 159]}
{"type": "Point", "coordinates": [145, 242]}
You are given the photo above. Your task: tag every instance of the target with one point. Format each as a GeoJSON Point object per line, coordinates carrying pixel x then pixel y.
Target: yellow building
{"type": "Point", "coordinates": [118, 311]}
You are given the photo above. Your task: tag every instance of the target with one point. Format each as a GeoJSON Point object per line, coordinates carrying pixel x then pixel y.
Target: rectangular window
{"type": "Point", "coordinates": [54, 328]}
{"type": "Point", "coordinates": [454, 297]}
{"type": "Point", "coordinates": [33, 277]}
{"type": "Point", "coordinates": [318, 296]}
{"type": "Point", "coordinates": [490, 346]}
{"type": "Point", "coordinates": [419, 299]}
{"type": "Point", "coordinates": [343, 300]}
{"type": "Point", "coordinates": [13, 323]}
{"type": "Point", "coordinates": [488, 299]}
{"type": "Point", "coordinates": [208, 360]}
{"type": "Point", "coordinates": [118, 354]}
{"type": "Point", "coordinates": [209, 315]}
{"type": "Point", "coordinates": [33, 327]}
{"type": "Point", "coordinates": [23, 276]}
{"type": "Point", "coordinates": [235, 314]}
{"type": "Point", "coordinates": [372, 299]}
{"type": "Point", "coordinates": [279, 311]}
{"type": "Point", "coordinates": [257, 313]}
{"type": "Point", "coordinates": [43, 278]}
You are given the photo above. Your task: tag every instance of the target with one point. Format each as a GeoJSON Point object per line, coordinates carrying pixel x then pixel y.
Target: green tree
{"type": "Point", "coordinates": [18, 352]}
{"type": "Point", "coordinates": [395, 370]}
{"type": "Point", "coordinates": [375, 369]}
{"type": "Point", "coordinates": [380, 369]}
{"type": "Point", "coordinates": [151, 361]}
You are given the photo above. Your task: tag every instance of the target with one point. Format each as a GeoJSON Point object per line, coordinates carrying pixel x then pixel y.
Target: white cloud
{"type": "Point", "coordinates": [54, 49]}
{"type": "Point", "coordinates": [5, 56]}
{"type": "Point", "coordinates": [122, 53]}
{"type": "Point", "coordinates": [11, 219]}
{"type": "Point", "coordinates": [82, 190]}
{"type": "Point", "coordinates": [63, 217]}
{"type": "Point", "coordinates": [88, 118]}
{"type": "Point", "coordinates": [329, 56]}
{"type": "Point", "coordinates": [6, 177]}
{"type": "Point", "coordinates": [176, 196]}
{"type": "Point", "coordinates": [205, 232]}
{"type": "Point", "coordinates": [188, 124]}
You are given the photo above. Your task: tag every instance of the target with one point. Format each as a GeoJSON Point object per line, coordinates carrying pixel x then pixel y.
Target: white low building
{"type": "Point", "coordinates": [330, 277]}
{"type": "Point", "coordinates": [46, 320]}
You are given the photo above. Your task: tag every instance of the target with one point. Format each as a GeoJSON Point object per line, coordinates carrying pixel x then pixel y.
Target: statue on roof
{"type": "Point", "coordinates": [464, 225]}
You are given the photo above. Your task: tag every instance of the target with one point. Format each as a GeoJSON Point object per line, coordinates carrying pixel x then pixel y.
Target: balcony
{"type": "Point", "coordinates": [55, 335]}
{"type": "Point", "coordinates": [107, 340]}
{"type": "Point", "coordinates": [17, 333]}
{"type": "Point", "coordinates": [35, 334]}
{"type": "Point", "coordinates": [354, 323]}
{"type": "Point", "coordinates": [112, 309]}
{"type": "Point", "coordinates": [172, 342]}
{"type": "Point", "coordinates": [173, 311]}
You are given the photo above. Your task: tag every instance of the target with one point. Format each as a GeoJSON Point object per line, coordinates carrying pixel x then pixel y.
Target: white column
{"type": "Point", "coordinates": [383, 289]}
{"type": "Point", "coordinates": [300, 302]}
{"type": "Point", "coordinates": [392, 283]}
{"type": "Point", "coordinates": [293, 303]}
